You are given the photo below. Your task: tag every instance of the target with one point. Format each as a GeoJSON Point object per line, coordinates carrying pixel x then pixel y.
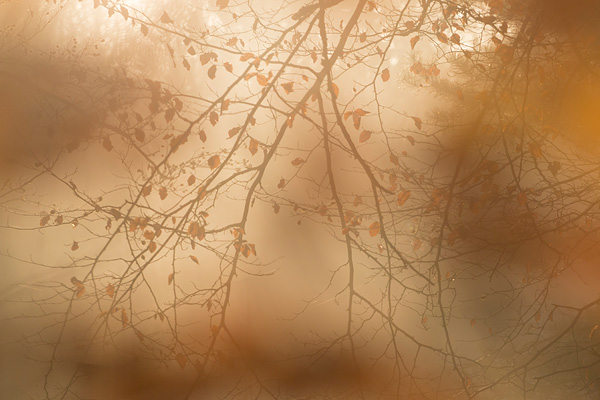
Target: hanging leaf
{"type": "Point", "coordinates": [228, 67]}
{"type": "Point", "coordinates": [191, 180]}
{"type": "Point", "coordinates": [170, 278]}
{"type": "Point", "coordinates": [522, 198]}
{"type": "Point", "coordinates": [162, 193]}
{"type": "Point", "coordinates": [394, 159]}
{"type": "Point", "coordinates": [364, 136]}
{"type": "Point", "coordinates": [418, 122]}
{"type": "Point", "coordinates": [297, 161]}
{"type": "Point", "coordinates": [144, 30]}
{"type": "Point", "coordinates": [413, 42]}
{"type": "Point", "coordinates": [195, 259]}
{"type": "Point", "coordinates": [212, 72]}
{"type": "Point", "coordinates": [124, 317]}
{"type": "Point", "coordinates": [186, 64]}
{"type": "Point", "coordinates": [165, 19]}
{"type": "Point", "coordinates": [106, 143]}
{"type": "Point", "coordinates": [535, 150]}
{"type": "Point", "coordinates": [594, 329]}
{"type": "Point", "coordinates": [374, 228]}
{"type": "Point", "coordinates": [139, 135]}
{"type": "Point", "coordinates": [442, 37]}
{"type": "Point", "coordinates": [288, 87]}
{"type": "Point", "coordinates": [222, 4]}
{"type": "Point", "coordinates": [110, 290]}
{"type": "Point", "coordinates": [152, 247]}
{"type": "Point", "coordinates": [146, 190]}
{"type": "Point", "coordinates": [335, 89]}
{"type": "Point", "coordinates": [181, 360]}
{"type": "Point", "coordinates": [74, 246]}
{"type": "Point", "coordinates": [213, 118]}
{"type": "Point", "coordinates": [253, 146]}
{"type": "Point", "coordinates": [202, 135]}
{"type": "Point", "coordinates": [214, 161]}
{"type": "Point", "coordinates": [385, 75]}
{"type": "Point", "coordinates": [44, 220]}
{"type": "Point", "coordinates": [281, 184]}
{"type": "Point", "coordinates": [403, 196]}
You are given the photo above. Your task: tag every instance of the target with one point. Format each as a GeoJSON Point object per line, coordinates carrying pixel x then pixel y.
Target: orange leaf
{"type": "Point", "coordinates": [522, 198]}
{"type": "Point", "coordinates": [44, 220]}
{"type": "Point", "coordinates": [297, 161]}
{"type": "Point", "coordinates": [110, 290]}
{"type": "Point", "coordinates": [262, 80]}
{"type": "Point", "coordinates": [152, 247]}
{"type": "Point", "coordinates": [414, 41]}
{"type": "Point", "coordinates": [535, 150]}
{"type": "Point", "coordinates": [214, 161]}
{"type": "Point", "coordinates": [228, 67]}
{"type": "Point", "coordinates": [191, 180]}
{"type": "Point", "coordinates": [213, 118]}
{"type": "Point", "coordinates": [288, 87]}
{"type": "Point", "coordinates": [170, 278]}
{"type": "Point", "coordinates": [385, 75]}
{"type": "Point", "coordinates": [162, 193]}
{"type": "Point", "coordinates": [403, 196]}
{"type": "Point", "coordinates": [195, 259]}
{"type": "Point", "coordinates": [180, 358]}
{"type": "Point", "coordinates": [106, 143]}
{"type": "Point", "coordinates": [364, 136]}
{"type": "Point", "coordinates": [74, 246]}
{"type": "Point", "coordinates": [246, 56]}
{"type": "Point", "coordinates": [363, 37]}
{"type": "Point", "coordinates": [336, 89]}
{"type": "Point", "coordinates": [146, 190]}
{"type": "Point", "coordinates": [418, 122]}
{"type": "Point", "coordinates": [374, 228]}
{"type": "Point", "coordinates": [165, 19]}
{"type": "Point", "coordinates": [281, 184]}
{"type": "Point", "coordinates": [442, 37]}
{"type": "Point", "coordinates": [253, 147]}
{"type": "Point", "coordinates": [212, 72]}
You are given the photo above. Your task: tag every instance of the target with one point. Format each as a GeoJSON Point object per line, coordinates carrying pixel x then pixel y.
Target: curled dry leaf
{"type": "Point", "coordinates": [385, 75]}
{"type": "Point", "coordinates": [214, 161]}
{"type": "Point", "coordinates": [110, 290]}
{"type": "Point", "coordinates": [374, 229]}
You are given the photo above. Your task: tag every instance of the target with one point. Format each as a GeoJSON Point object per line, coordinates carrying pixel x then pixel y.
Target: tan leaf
{"type": "Point", "coordinates": [195, 259]}
{"type": "Point", "coordinates": [288, 87]}
{"type": "Point", "coordinates": [212, 72]}
{"type": "Point", "coordinates": [165, 19]}
{"type": "Point", "coordinates": [228, 67]}
{"type": "Point", "coordinates": [413, 41]}
{"type": "Point", "coordinates": [181, 358]}
{"type": "Point", "coordinates": [213, 118]}
{"type": "Point", "coordinates": [110, 290]}
{"type": "Point", "coordinates": [385, 75]}
{"type": "Point", "coordinates": [214, 161]}
{"type": "Point", "coordinates": [162, 193]}
{"type": "Point", "coordinates": [124, 317]}
{"type": "Point", "coordinates": [364, 136]}
{"type": "Point", "coordinates": [191, 180]}
{"type": "Point", "coordinates": [152, 247]}
{"type": "Point", "coordinates": [170, 278]}
{"type": "Point", "coordinates": [522, 198]}
{"type": "Point", "coordinates": [297, 161]}
{"type": "Point", "coordinates": [281, 184]}
{"type": "Point", "coordinates": [253, 146]}
{"type": "Point", "coordinates": [222, 4]}
{"type": "Point", "coordinates": [418, 122]}
{"type": "Point", "coordinates": [335, 89]}
{"type": "Point", "coordinates": [403, 196]}
{"type": "Point", "coordinates": [106, 143]}
{"type": "Point", "coordinates": [74, 246]}
{"type": "Point", "coordinates": [44, 220]}
{"type": "Point", "coordinates": [374, 228]}
{"type": "Point", "coordinates": [146, 190]}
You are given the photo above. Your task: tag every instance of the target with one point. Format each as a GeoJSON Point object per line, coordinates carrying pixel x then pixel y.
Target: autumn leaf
{"type": "Point", "coordinates": [374, 228]}
{"type": "Point", "coordinates": [455, 38]}
{"type": "Point", "coordinates": [411, 139]}
{"type": "Point", "coordinates": [213, 118]}
{"type": "Point", "coordinates": [442, 37]}
{"type": "Point", "coordinates": [535, 150]}
{"type": "Point", "coordinates": [281, 184]}
{"type": "Point", "coordinates": [191, 180]}
{"type": "Point", "coordinates": [413, 41]}
{"type": "Point", "coordinates": [228, 67]}
{"type": "Point", "coordinates": [124, 317]}
{"type": "Point", "coordinates": [162, 193]}
{"type": "Point", "coordinates": [139, 135]}
{"type": "Point", "coordinates": [74, 246]}
{"type": "Point", "coordinates": [180, 358]}
{"type": "Point", "coordinates": [214, 161]}
{"type": "Point", "coordinates": [149, 235]}
{"type": "Point", "coordinates": [146, 190]}
{"type": "Point", "coordinates": [297, 161]}
{"type": "Point", "coordinates": [170, 278]}
{"type": "Point", "coordinates": [522, 198]}
{"type": "Point", "coordinates": [363, 37]}
{"type": "Point", "coordinates": [418, 122]}
{"type": "Point", "coordinates": [195, 259]}
{"type": "Point", "coordinates": [276, 208]}
{"type": "Point", "coordinates": [106, 143]}
{"type": "Point", "coordinates": [165, 19]}
{"type": "Point", "coordinates": [191, 51]}
{"type": "Point", "coordinates": [594, 329]}
{"type": "Point", "coordinates": [222, 4]}
{"type": "Point", "coordinates": [186, 64]}
{"type": "Point", "coordinates": [152, 247]}
{"type": "Point", "coordinates": [212, 71]}
{"type": "Point", "coordinates": [110, 290]}
{"type": "Point", "coordinates": [394, 159]}
{"type": "Point", "coordinates": [144, 30]}
{"type": "Point", "coordinates": [253, 146]}
{"type": "Point", "coordinates": [364, 136]}
{"type": "Point", "coordinates": [262, 80]}
{"type": "Point", "coordinates": [385, 75]}
{"type": "Point", "coordinates": [202, 135]}
{"type": "Point", "coordinates": [288, 87]}
{"type": "Point", "coordinates": [44, 220]}
{"type": "Point", "coordinates": [335, 89]}
{"type": "Point", "coordinates": [231, 42]}
{"type": "Point", "coordinates": [403, 196]}
{"type": "Point", "coordinates": [357, 201]}
{"type": "Point", "coordinates": [246, 56]}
